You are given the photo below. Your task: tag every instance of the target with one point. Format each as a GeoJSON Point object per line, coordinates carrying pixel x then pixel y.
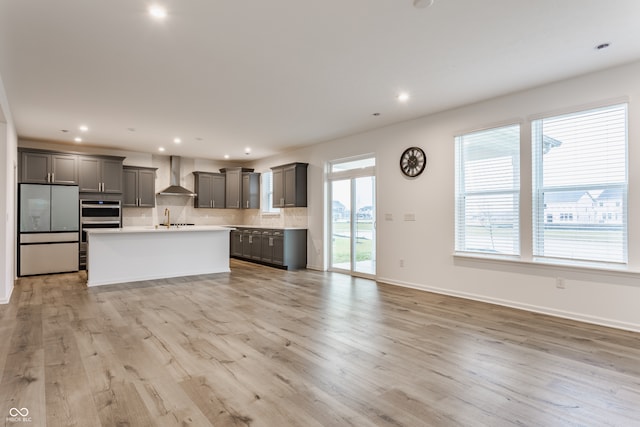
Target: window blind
{"type": "Point", "coordinates": [580, 185]}
{"type": "Point", "coordinates": [488, 191]}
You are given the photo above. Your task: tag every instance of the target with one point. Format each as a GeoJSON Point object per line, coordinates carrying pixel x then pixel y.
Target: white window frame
{"type": "Point", "coordinates": [266, 190]}
{"type": "Point", "coordinates": [538, 190]}
{"type": "Point", "coordinates": [461, 194]}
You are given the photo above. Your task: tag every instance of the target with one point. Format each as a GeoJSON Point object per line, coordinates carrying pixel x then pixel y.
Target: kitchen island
{"type": "Point", "coordinates": [130, 254]}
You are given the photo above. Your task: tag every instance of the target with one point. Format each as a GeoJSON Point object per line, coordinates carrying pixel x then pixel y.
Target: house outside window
{"type": "Point", "coordinates": [580, 176]}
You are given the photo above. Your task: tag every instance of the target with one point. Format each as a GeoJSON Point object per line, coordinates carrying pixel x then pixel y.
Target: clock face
{"type": "Point", "coordinates": [413, 161]}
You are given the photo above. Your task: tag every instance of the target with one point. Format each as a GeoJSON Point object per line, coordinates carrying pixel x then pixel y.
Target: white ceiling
{"type": "Point", "coordinates": [273, 75]}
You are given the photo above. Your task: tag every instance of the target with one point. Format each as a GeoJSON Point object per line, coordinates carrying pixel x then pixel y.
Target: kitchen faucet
{"type": "Point", "coordinates": [167, 212]}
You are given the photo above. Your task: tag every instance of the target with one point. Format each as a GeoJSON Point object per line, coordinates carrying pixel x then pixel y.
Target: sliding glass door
{"type": "Point", "coordinates": [353, 221]}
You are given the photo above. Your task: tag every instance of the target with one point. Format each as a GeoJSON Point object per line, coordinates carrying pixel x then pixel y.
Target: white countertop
{"type": "Point", "coordinates": [158, 229]}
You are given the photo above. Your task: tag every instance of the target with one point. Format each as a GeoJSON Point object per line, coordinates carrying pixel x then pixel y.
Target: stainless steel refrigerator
{"type": "Point", "coordinates": [48, 236]}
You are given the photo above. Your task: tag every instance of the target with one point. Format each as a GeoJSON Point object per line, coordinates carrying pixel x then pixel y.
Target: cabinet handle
{"type": "Point", "coordinates": [241, 238]}
{"type": "Point", "coordinates": [250, 239]}
{"type": "Point", "coordinates": [211, 203]}
{"type": "Point", "coordinates": [270, 241]}
{"type": "Point", "coordinates": [53, 179]}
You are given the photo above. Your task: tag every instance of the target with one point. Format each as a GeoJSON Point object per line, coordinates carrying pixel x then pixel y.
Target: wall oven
{"type": "Point", "coordinates": [96, 214]}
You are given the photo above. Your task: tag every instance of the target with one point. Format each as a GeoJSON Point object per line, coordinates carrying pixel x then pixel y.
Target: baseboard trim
{"type": "Point", "coordinates": [6, 299]}
{"type": "Point", "coordinates": [595, 320]}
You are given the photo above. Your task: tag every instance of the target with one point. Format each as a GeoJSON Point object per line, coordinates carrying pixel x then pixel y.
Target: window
{"type": "Point", "coordinates": [267, 193]}
{"type": "Point", "coordinates": [488, 191]}
{"type": "Point", "coordinates": [579, 168]}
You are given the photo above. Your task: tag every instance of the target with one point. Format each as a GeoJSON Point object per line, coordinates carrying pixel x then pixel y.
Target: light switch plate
{"type": "Point", "coordinates": [409, 217]}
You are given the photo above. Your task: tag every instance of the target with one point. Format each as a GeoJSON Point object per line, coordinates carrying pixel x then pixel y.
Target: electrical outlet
{"type": "Point", "coordinates": [560, 283]}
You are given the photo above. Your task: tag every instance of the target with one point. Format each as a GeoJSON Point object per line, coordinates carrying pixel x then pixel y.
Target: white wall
{"type": "Point", "coordinates": [427, 245]}
{"type": "Point", "coordinates": [8, 144]}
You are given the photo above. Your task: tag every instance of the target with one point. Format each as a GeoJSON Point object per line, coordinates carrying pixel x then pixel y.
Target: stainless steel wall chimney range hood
{"type": "Point", "coordinates": [175, 189]}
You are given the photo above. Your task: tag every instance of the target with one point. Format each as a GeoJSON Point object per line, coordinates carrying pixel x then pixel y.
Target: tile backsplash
{"type": "Point", "coordinates": [182, 211]}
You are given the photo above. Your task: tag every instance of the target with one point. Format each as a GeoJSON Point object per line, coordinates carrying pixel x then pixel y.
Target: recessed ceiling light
{"type": "Point", "coordinates": [247, 151]}
{"type": "Point", "coordinates": [226, 156]}
{"type": "Point", "coordinates": [403, 97]}
{"type": "Point", "coordinates": [157, 12]}
{"type": "Point", "coordinates": [376, 114]}
{"type": "Point", "coordinates": [77, 139]}
{"type": "Point", "coordinates": [161, 149]}
{"type": "Point", "coordinates": [177, 140]}
{"type": "Point", "coordinates": [83, 128]}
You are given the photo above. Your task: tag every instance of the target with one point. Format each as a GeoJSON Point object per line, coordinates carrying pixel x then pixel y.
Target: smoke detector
{"type": "Point", "coordinates": [421, 4]}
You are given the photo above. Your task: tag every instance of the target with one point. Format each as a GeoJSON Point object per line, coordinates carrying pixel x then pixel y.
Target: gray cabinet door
{"type": "Point", "coordinates": [246, 243]}
{"type": "Point", "coordinates": [89, 174]}
{"type": "Point", "coordinates": [236, 243]}
{"type": "Point", "coordinates": [35, 167]}
{"type": "Point", "coordinates": [250, 190]}
{"type": "Point", "coordinates": [267, 246]}
{"type": "Point", "coordinates": [203, 186]}
{"type": "Point", "coordinates": [233, 188]}
{"type": "Point", "coordinates": [111, 176]}
{"type": "Point", "coordinates": [64, 169]}
{"type": "Point", "coordinates": [278, 248]}
{"type": "Point", "coordinates": [130, 188]}
{"type": "Point", "coordinates": [218, 197]}
{"type": "Point", "coordinates": [146, 188]}
{"type": "Point", "coordinates": [256, 245]}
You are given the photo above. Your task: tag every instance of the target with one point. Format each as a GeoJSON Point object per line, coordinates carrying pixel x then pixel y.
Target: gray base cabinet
{"type": "Point", "coordinates": [139, 187]}
{"type": "Point", "coordinates": [284, 248]}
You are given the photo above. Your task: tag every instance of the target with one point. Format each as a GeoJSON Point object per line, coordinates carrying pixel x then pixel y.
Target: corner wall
{"type": "Point", "coordinates": [8, 155]}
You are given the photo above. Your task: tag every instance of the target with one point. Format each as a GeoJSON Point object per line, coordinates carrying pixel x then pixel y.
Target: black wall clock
{"type": "Point", "coordinates": [413, 162]}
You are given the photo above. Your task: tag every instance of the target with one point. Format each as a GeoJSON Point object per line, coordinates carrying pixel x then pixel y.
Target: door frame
{"type": "Point", "coordinates": [350, 174]}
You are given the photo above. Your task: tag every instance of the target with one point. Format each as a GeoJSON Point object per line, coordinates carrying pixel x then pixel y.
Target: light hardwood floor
{"type": "Point", "coordinates": [265, 347]}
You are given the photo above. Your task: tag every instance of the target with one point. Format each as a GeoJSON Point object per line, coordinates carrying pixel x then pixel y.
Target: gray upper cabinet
{"type": "Point", "coordinates": [250, 190]}
{"type": "Point", "coordinates": [100, 174]}
{"type": "Point", "coordinates": [233, 187]}
{"type": "Point", "coordinates": [290, 185]}
{"type": "Point", "coordinates": [242, 188]}
{"type": "Point", "coordinates": [139, 187]}
{"type": "Point", "coordinates": [209, 189]}
{"type": "Point", "coordinates": [48, 168]}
